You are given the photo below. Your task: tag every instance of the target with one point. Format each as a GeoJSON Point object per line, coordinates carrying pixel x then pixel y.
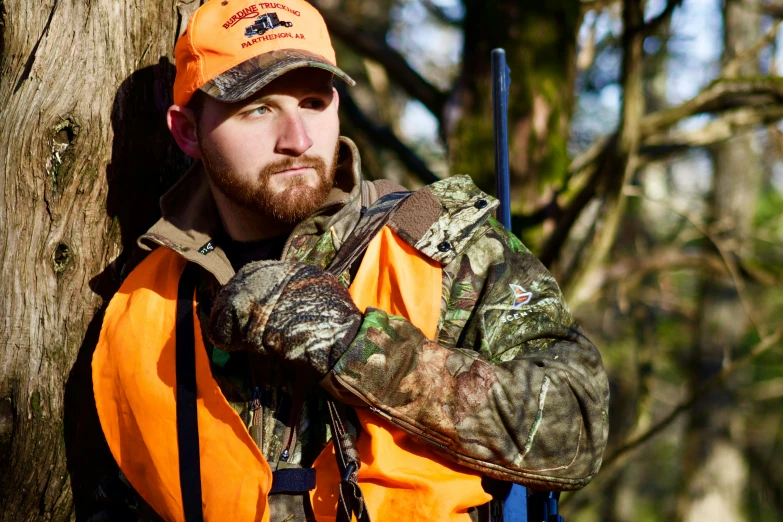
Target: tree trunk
{"type": "Point", "coordinates": [715, 470]}
{"type": "Point", "coordinates": [84, 85]}
{"type": "Point", "coordinates": [540, 43]}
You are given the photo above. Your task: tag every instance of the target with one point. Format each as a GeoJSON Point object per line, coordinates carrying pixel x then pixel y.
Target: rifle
{"type": "Point", "coordinates": [501, 79]}
{"type": "Point", "coordinates": [519, 504]}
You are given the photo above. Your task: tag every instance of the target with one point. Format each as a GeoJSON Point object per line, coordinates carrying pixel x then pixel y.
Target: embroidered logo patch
{"type": "Point", "coordinates": [521, 296]}
{"type": "Point", "coordinates": [206, 249]}
{"type": "Point", "coordinates": [265, 22]}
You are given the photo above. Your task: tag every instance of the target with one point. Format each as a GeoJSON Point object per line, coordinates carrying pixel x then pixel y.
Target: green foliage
{"type": "Point", "coordinates": [768, 213]}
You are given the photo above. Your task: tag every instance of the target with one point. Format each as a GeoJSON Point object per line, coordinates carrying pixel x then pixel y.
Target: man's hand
{"type": "Point", "coordinates": [293, 310]}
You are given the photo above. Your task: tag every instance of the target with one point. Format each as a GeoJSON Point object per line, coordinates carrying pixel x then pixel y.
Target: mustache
{"type": "Point", "coordinates": [305, 161]}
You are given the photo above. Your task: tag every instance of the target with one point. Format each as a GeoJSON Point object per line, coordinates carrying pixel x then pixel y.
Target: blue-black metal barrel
{"type": "Point", "coordinates": [500, 83]}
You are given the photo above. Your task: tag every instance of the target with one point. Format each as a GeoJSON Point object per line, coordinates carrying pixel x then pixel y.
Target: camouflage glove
{"type": "Point", "coordinates": [287, 308]}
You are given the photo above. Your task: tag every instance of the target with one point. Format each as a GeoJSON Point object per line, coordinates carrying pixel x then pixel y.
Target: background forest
{"type": "Point", "coordinates": [647, 173]}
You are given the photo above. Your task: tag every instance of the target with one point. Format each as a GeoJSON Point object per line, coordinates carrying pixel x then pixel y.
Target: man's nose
{"type": "Point", "coordinates": [293, 139]}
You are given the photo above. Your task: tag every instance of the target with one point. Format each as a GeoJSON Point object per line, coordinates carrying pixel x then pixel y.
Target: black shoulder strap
{"type": "Point", "coordinates": [351, 500]}
{"type": "Point", "coordinates": [371, 222]}
{"type": "Point", "coordinates": [187, 419]}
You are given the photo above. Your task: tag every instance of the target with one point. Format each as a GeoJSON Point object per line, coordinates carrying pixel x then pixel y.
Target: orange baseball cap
{"type": "Point", "coordinates": [233, 48]}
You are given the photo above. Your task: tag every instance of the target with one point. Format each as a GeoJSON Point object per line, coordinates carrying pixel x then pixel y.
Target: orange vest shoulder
{"type": "Point", "coordinates": [134, 384]}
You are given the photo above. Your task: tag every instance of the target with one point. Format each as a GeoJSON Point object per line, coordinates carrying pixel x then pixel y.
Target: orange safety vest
{"type": "Point", "coordinates": [134, 384]}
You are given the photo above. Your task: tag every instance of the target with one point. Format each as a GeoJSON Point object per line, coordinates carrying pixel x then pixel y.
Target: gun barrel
{"type": "Point", "coordinates": [500, 82]}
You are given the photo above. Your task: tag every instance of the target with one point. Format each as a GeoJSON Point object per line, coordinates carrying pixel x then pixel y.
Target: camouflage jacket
{"type": "Point", "coordinates": [510, 386]}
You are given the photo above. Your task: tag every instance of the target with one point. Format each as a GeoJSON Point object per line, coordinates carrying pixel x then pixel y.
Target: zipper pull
{"type": "Point", "coordinates": [379, 412]}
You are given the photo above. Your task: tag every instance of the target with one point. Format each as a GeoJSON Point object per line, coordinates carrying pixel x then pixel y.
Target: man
{"type": "Point", "coordinates": [449, 341]}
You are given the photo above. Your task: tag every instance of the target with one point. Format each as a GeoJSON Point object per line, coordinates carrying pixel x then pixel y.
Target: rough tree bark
{"type": "Point", "coordinates": [84, 85]}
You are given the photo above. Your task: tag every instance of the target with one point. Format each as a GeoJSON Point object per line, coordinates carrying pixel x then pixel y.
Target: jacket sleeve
{"type": "Point", "coordinates": [512, 388]}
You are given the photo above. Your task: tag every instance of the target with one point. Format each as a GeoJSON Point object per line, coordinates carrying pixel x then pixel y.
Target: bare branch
{"type": "Point", "coordinates": [554, 243]}
{"type": "Point", "coordinates": [747, 102]}
{"type": "Point", "coordinates": [592, 5]}
{"type": "Point", "coordinates": [720, 95]}
{"type": "Point", "coordinates": [440, 13]}
{"type": "Point", "coordinates": [718, 379]}
{"type": "Point", "coordinates": [660, 260]}
{"type": "Point", "coordinates": [620, 164]}
{"type": "Point", "coordinates": [728, 125]}
{"type": "Point", "coordinates": [759, 275]}
{"type": "Point", "coordinates": [743, 102]}
{"type": "Point", "coordinates": [548, 210]}
{"type": "Point", "coordinates": [758, 94]}
{"type": "Point", "coordinates": [589, 156]}
{"type": "Point", "coordinates": [633, 269]}
{"type": "Point", "coordinates": [728, 258]}
{"type": "Point", "coordinates": [384, 137]}
{"type": "Point", "coordinates": [652, 25]}
{"type": "Point", "coordinates": [731, 69]}
{"type": "Point", "coordinates": [394, 63]}
{"type": "Point", "coordinates": [725, 263]}
{"type": "Point", "coordinates": [768, 389]}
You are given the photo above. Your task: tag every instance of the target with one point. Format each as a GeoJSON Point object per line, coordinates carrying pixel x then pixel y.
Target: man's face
{"type": "Point", "coordinates": [275, 153]}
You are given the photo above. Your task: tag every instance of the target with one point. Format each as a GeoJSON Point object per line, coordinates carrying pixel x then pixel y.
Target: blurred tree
{"type": "Point", "coordinates": [715, 476]}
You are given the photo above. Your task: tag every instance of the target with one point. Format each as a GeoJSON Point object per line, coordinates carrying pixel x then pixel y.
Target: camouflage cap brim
{"type": "Point", "coordinates": [247, 78]}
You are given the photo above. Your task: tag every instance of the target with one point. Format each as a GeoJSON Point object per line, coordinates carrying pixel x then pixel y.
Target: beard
{"type": "Point", "coordinates": [293, 200]}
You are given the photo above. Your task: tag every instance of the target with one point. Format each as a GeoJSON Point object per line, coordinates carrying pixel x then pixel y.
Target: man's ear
{"type": "Point", "coordinates": [182, 124]}
{"type": "Point", "coordinates": [336, 98]}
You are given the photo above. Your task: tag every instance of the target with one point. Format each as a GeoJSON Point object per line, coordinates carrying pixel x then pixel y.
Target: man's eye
{"type": "Point", "coordinates": [314, 103]}
{"type": "Point", "coordinates": [255, 111]}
